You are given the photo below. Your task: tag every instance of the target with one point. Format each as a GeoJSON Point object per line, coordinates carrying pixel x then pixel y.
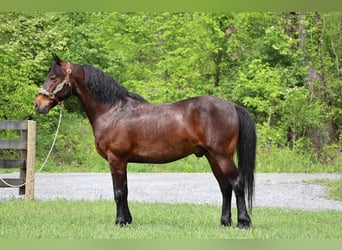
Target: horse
{"type": "Point", "coordinates": [127, 128]}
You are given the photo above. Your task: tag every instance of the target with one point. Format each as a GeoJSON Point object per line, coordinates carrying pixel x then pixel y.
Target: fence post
{"type": "Point", "coordinates": [30, 159]}
{"type": "Point", "coordinates": [27, 147]}
{"type": "Point", "coordinates": [23, 157]}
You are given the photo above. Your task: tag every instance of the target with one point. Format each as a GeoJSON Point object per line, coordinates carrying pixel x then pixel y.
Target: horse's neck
{"type": "Point", "coordinates": [92, 108]}
{"type": "Point", "coordinates": [95, 109]}
{"type": "Point", "coordinates": [80, 90]}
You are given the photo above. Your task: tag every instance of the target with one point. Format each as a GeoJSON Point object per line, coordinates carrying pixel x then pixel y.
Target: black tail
{"type": "Point", "coordinates": [246, 151]}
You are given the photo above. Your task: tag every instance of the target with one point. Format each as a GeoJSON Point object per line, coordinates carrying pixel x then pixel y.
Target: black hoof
{"type": "Point", "coordinates": [244, 224]}
{"type": "Point", "coordinates": [226, 222]}
{"type": "Point", "coordinates": [123, 222]}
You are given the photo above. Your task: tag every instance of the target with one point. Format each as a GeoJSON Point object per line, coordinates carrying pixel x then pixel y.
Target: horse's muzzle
{"type": "Point", "coordinates": [41, 109]}
{"type": "Point", "coordinates": [42, 104]}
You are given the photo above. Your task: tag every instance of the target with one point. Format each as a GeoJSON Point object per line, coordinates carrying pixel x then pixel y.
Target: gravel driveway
{"type": "Point", "coordinates": [272, 190]}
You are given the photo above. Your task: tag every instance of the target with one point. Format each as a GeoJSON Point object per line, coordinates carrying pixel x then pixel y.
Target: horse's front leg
{"type": "Point", "coordinates": [119, 177]}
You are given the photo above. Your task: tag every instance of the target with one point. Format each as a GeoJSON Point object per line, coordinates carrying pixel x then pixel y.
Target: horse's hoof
{"type": "Point", "coordinates": [226, 223]}
{"type": "Point", "coordinates": [244, 225]}
{"type": "Point", "coordinates": [122, 222]}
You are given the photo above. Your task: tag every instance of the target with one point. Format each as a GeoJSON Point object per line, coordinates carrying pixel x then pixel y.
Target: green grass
{"type": "Point", "coordinates": [335, 191]}
{"type": "Point", "coordinates": [285, 160]}
{"type": "Point", "coordinates": [95, 220]}
{"type": "Point", "coordinates": [334, 187]}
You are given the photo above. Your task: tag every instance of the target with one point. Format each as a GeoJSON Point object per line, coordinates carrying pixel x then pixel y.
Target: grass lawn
{"type": "Point", "coordinates": [63, 219]}
{"type": "Point", "coordinates": [334, 187]}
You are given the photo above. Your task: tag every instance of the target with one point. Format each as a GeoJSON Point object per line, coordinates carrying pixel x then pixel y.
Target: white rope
{"type": "Point", "coordinates": [46, 159]}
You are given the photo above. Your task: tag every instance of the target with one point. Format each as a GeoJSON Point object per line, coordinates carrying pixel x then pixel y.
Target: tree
{"type": "Point", "coordinates": [320, 35]}
{"type": "Point", "coordinates": [283, 67]}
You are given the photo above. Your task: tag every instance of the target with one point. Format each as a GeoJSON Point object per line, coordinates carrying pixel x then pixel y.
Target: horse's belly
{"type": "Point", "coordinates": [156, 159]}
{"type": "Point", "coordinates": [163, 153]}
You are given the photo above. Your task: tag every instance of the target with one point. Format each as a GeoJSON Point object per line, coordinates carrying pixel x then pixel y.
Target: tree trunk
{"type": "Point", "coordinates": [217, 74]}
{"type": "Point", "coordinates": [313, 76]}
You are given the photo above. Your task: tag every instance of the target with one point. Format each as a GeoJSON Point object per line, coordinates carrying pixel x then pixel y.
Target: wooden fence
{"type": "Point", "coordinates": [27, 147]}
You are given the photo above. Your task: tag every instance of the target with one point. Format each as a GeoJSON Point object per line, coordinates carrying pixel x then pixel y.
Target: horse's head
{"type": "Point", "coordinates": [57, 86]}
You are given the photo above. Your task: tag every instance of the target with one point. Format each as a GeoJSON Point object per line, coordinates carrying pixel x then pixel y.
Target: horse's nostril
{"type": "Point", "coordinates": [36, 106]}
{"type": "Point", "coordinates": [39, 109]}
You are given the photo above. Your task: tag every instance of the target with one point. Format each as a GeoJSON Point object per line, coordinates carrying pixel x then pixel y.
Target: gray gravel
{"type": "Point", "coordinates": [272, 190]}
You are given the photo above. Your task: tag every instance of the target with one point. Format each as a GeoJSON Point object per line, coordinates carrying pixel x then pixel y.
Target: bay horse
{"type": "Point", "coordinates": [127, 128]}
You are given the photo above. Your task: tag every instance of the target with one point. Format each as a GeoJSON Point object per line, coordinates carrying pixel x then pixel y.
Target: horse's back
{"type": "Point", "coordinates": [216, 118]}
{"type": "Point", "coordinates": [205, 113]}
{"type": "Point", "coordinates": [212, 111]}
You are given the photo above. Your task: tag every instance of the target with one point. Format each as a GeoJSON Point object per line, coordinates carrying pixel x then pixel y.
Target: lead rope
{"type": "Point", "coordinates": [47, 157]}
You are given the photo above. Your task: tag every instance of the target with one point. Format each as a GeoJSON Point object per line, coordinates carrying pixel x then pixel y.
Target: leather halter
{"type": "Point", "coordinates": [59, 87]}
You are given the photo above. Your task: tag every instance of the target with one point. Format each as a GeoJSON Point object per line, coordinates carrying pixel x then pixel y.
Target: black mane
{"type": "Point", "coordinates": [104, 88]}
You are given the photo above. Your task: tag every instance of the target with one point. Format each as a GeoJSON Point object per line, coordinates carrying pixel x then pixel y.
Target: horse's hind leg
{"type": "Point", "coordinates": [228, 177]}
{"type": "Point", "coordinates": [226, 190]}
{"type": "Point", "coordinates": [244, 220]}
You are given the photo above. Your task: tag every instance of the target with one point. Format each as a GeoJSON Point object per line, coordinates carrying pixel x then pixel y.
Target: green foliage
{"type": "Point", "coordinates": [260, 89]}
{"type": "Point", "coordinates": [283, 67]}
{"type": "Point", "coordinates": [300, 113]}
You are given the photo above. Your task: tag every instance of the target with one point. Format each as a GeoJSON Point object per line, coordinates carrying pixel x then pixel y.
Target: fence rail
{"type": "Point", "coordinates": [13, 164]}
{"type": "Point", "coordinates": [27, 147]}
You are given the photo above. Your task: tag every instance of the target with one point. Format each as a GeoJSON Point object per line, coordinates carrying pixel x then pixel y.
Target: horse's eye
{"type": "Point", "coordinates": [53, 78]}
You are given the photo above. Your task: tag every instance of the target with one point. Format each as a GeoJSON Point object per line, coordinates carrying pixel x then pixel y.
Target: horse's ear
{"type": "Point", "coordinates": [57, 59]}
